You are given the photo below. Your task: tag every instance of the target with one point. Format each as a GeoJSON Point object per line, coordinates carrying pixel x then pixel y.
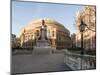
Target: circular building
{"type": "Point", "coordinates": [57, 34]}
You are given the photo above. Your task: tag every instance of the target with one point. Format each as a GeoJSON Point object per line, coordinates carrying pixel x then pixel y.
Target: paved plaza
{"type": "Point", "coordinates": [28, 63]}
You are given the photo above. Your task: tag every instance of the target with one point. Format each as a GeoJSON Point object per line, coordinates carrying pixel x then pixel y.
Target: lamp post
{"type": "Point", "coordinates": [82, 29]}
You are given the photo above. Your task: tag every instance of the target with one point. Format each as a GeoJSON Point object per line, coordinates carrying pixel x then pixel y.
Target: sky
{"type": "Point", "coordinates": [25, 12]}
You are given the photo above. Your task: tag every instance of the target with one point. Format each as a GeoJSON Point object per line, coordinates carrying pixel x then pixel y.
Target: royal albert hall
{"type": "Point", "coordinates": [58, 36]}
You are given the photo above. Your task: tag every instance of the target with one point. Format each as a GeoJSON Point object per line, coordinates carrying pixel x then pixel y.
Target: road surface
{"type": "Point", "coordinates": [28, 63]}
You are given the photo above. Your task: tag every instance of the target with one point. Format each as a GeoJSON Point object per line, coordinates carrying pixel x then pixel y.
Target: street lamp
{"type": "Point", "coordinates": [82, 29]}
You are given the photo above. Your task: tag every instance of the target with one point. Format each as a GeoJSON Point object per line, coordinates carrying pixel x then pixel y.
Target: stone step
{"type": "Point", "coordinates": [42, 43]}
{"type": "Point", "coordinates": [42, 50]}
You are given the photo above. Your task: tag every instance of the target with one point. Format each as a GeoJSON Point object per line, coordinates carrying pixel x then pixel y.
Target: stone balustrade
{"type": "Point", "coordinates": [79, 62]}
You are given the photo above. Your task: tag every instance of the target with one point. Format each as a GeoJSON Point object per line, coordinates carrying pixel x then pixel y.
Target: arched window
{"type": "Point", "coordinates": [53, 33]}
{"type": "Point", "coordinates": [37, 32]}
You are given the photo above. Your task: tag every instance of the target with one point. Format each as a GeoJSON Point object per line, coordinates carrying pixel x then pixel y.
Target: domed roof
{"type": "Point", "coordinates": [48, 22]}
